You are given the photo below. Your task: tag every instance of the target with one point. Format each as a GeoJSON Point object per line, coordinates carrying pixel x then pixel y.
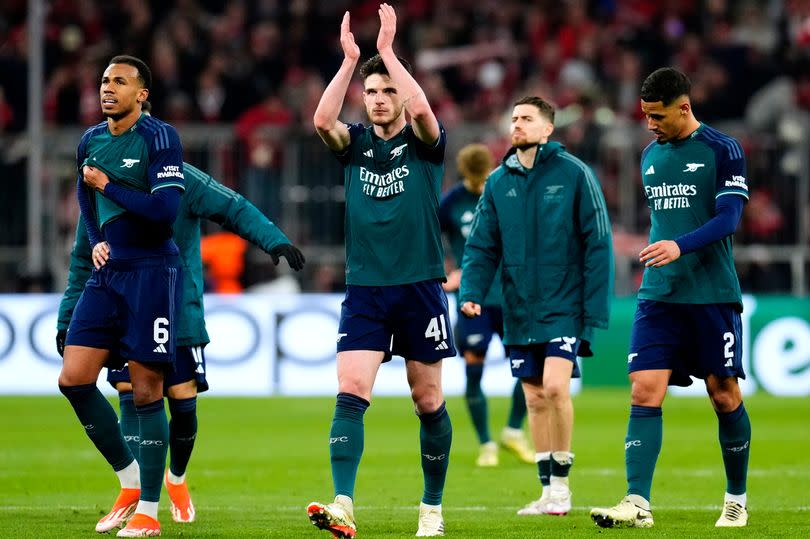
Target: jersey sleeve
{"type": "Point", "coordinates": [211, 200]}
{"type": "Point", "coordinates": [81, 266]}
{"type": "Point", "coordinates": [345, 155]}
{"type": "Point", "coordinates": [433, 153]}
{"type": "Point", "coordinates": [482, 252]}
{"type": "Point", "coordinates": [444, 212]}
{"type": "Point", "coordinates": [165, 159]}
{"type": "Point", "coordinates": [731, 170]}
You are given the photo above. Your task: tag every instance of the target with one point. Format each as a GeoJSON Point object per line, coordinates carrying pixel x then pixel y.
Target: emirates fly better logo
{"type": "Point", "coordinates": [670, 196]}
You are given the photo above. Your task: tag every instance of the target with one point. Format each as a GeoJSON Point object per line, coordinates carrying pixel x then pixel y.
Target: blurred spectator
{"type": "Point", "coordinates": [261, 130]}
{"type": "Point", "coordinates": [263, 64]}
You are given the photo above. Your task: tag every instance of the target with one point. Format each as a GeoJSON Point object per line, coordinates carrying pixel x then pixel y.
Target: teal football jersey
{"type": "Point", "coordinates": [682, 180]}
{"type": "Point", "coordinates": [143, 159]}
{"type": "Point", "coordinates": [392, 198]}
{"type": "Point", "coordinates": [456, 215]}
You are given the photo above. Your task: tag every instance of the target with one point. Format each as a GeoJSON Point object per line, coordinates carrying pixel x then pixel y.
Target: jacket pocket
{"type": "Point", "coordinates": [560, 288]}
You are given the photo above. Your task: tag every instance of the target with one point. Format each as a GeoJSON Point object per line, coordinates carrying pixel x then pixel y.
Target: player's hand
{"type": "Point", "coordinates": [101, 254]}
{"type": "Point", "coordinates": [660, 253]}
{"type": "Point", "coordinates": [295, 258]}
{"type": "Point", "coordinates": [453, 281]}
{"type": "Point", "coordinates": [470, 309]}
{"type": "Point", "coordinates": [388, 27]}
{"type": "Point", "coordinates": [95, 178]}
{"type": "Point", "coordinates": [350, 48]}
{"type": "Point", "coordinates": [61, 335]}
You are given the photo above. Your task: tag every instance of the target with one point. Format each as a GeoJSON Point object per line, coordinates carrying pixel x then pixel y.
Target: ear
{"type": "Point", "coordinates": [549, 129]}
{"type": "Point", "coordinates": [143, 95]}
{"type": "Point", "coordinates": [685, 107]}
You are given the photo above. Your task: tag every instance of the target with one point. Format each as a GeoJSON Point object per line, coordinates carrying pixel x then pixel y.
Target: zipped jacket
{"type": "Point", "coordinates": [549, 226]}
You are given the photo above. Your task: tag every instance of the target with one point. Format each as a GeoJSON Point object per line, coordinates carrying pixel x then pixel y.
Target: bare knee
{"type": "Point", "coordinates": [536, 396]}
{"type": "Point", "coordinates": [81, 366]}
{"type": "Point", "coordinates": [649, 387]}
{"type": "Point", "coordinates": [725, 394]}
{"type": "Point", "coordinates": [557, 391]}
{"type": "Point", "coordinates": [427, 397]}
{"type": "Point", "coordinates": [354, 386]}
{"type": "Point", "coordinates": [186, 390]}
{"type": "Point", "coordinates": [147, 383]}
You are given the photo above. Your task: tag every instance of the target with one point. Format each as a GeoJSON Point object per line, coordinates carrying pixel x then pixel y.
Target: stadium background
{"type": "Point", "coordinates": [240, 80]}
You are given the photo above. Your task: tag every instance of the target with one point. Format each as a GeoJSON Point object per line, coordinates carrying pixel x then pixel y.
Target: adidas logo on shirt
{"type": "Point", "coordinates": [649, 171]}
{"type": "Point", "coordinates": [442, 346]}
{"type": "Point", "coordinates": [369, 153]}
{"type": "Point", "coordinates": [511, 193]}
{"type": "Point", "coordinates": [160, 349]}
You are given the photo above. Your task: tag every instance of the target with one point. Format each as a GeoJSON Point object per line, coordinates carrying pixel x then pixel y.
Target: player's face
{"type": "Point", "coordinates": [529, 127]}
{"type": "Point", "coordinates": [666, 122]}
{"type": "Point", "coordinates": [383, 102]}
{"type": "Point", "coordinates": [121, 92]}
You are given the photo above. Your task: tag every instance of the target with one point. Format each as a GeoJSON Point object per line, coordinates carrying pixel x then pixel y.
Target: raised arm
{"type": "Point", "coordinates": [333, 132]}
{"type": "Point", "coordinates": [424, 122]}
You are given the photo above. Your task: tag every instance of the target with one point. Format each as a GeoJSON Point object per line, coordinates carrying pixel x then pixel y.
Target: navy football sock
{"type": "Point", "coordinates": [544, 470]}
{"type": "Point", "coordinates": [517, 411]}
{"type": "Point", "coordinates": [128, 421]}
{"type": "Point", "coordinates": [477, 402]}
{"type": "Point", "coordinates": [735, 443]}
{"type": "Point", "coordinates": [435, 436]}
{"type": "Point", "coordinates": [346, 439]}
{"type": "Point", "coordinates": [154, 433]}
{"type": "Point", "coordinates": [100, 423]}
{"type": "Point", "coordinates": [182, 433]}
{"type": "Point", "coordinates": [641, 448]}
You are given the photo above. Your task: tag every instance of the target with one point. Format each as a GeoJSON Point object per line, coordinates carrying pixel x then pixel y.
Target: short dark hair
{"type": "Point", "coordinates": [545, 108]}
{"type": "Point", "coordinates": [665, 85]}
{"type": "Point", "coordinates": [144, 74]}
{"type": "Point", "coordinates": [376, 65]}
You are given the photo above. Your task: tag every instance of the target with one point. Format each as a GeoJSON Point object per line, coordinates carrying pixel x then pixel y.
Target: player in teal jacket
{"type": "Point", "coordinates": [204, 198]}
{"type": "Point", "coordinates": [543, 218]}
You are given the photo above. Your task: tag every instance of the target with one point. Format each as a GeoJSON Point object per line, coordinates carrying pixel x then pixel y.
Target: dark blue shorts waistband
{"type": "Point", "coordinates": [123, 264]}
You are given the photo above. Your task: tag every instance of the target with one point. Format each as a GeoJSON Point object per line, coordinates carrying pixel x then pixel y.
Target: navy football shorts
{"type": "Point", "coordinates": [409, 320]}
{"type": "Point", "coordinates": [130, 306]}
{"type": "Point", "coordinates": [474, 334]}
{"type": "Point", "coordinates": [527, 361]}
{"type": "Point", "coordinates": [189, 364]}
{"type": "Point", "coordinates": [691, 340]}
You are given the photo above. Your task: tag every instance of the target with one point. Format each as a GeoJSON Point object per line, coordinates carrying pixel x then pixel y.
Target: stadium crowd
{"type": "Point", "coordinates": [260, 63]}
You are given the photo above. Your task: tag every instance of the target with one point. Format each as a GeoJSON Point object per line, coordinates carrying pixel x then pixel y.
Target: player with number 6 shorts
{"type": "Point", "coordinates": [204, 198]}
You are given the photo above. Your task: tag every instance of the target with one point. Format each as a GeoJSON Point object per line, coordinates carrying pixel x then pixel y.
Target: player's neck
{"type": "Point", "coordinates": [389, 131]}
{"type": "Point", "coordinates": [120, 125]}
{"type": "Point", "coordinates": [526, 156]}
{"type": "Point", "coordinates": [691, 126]}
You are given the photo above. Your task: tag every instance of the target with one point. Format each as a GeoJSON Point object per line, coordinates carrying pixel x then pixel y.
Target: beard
{"type": "Point", "coordinates": [523, 143]}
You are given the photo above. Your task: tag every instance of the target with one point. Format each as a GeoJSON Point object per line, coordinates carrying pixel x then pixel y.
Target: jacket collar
{"type": "Point", "coordinates": [544, 153]}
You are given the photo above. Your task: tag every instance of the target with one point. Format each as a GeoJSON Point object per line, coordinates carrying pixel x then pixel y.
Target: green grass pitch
{"type": "Point", "coordinates": [258, 462]}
